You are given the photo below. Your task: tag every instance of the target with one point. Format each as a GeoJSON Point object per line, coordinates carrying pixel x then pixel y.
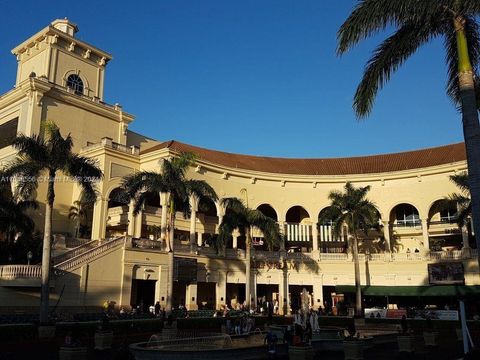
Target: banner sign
{"type": "Point", "coordinates": [375, 313]}
{"type": "Point", "coordinates": [396, 313]}
{"type": "Point", "coordinates": [446, 273]}
{"type": "Point", "coordinates": [437, 314]}
{"type": "Point", "coordinates": [185, 269]}
{"type": "Point", "coordinates": [419, 314]}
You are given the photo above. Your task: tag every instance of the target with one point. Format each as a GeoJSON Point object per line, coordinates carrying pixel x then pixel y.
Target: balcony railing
{"type": "Point", "coordinates": [108, 143]}
{"type": "Point", "coordinates": [13, 272]}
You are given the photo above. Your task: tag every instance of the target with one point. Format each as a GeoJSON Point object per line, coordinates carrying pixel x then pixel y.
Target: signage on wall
{"type": "Point", "coordinates": [185, 269]}
{"type": "Point", "coordinates": [446, 273]}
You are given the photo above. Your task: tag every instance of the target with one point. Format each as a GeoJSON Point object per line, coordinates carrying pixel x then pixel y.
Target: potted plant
{"type": "Point", "coordinates": [405, 338]}
{"type": "Point", "coordinates": [352, 345]}
{"type": "Point", "coordinates": [103, 335]}
{"type": "Point", "coordinates": [430, 335]}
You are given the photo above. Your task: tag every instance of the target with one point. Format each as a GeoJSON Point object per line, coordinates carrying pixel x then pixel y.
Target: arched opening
{"type": "Point", "coordinates": [404, 219]}
{"type": "Point", "coordinates": [207, 215]}
{"type": "Point", "coordinates": [443, 231]}
{"type": "Point", "coordinates": [258, 241]}
{"type": "Point", "coordinates": [298, 230]}
{"type": "Point", "coordinates": [268, 210]}
{"type": "Point", "coordinates": [328, 241]}
{"type": "Point", "coordinates": [117, 198]}
{"type": "Point", "coordinates": [405, 215]}
{"type": "Point", "coordinates": [297, 214]}
{"type": "Point", "coordinates": [117, 218]}
{"type": "Point", "coordinates": [152, 199]}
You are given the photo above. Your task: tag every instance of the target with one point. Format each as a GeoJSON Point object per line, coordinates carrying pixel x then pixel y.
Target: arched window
{"type": "Point", "coordinates": [75, 83]}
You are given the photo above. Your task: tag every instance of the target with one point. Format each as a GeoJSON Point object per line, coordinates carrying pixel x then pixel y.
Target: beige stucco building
{"type": "Point", "coordinates": [61, 78]}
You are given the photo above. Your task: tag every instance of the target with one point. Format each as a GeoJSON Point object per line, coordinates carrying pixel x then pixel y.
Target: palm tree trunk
{"type": "Point", "coordinates": [171, 254]}
{"type": "Point", "coordinates": [471, 126]}
{"type": "Point", "coordinates": [358, 288]}
{"type": "Point", "coordinates": [47, 237]}
{"type": "Point", "coordinates": [248, 276]}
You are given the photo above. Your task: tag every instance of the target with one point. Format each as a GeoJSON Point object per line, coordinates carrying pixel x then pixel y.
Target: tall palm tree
{"type": "Point", "coordinates": [418, 22]}
{"type": "Point", "coordinates": [353, 209]}
{"type": "Point", "coordinates": [241, 217]}
{"type": "Point", "coordinates": [172, 181]}
{"type": "Point", "coordinates": [46, 157]}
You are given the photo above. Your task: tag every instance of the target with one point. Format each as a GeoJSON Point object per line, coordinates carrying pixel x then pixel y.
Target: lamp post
{"type": "Point", "coordinates": [29, 257]}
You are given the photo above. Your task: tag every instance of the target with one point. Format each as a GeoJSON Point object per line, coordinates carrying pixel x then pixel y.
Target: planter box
{"type": "Point", "coordinates": [405, 343]}
{"type": "Point", "coordinates": [103, 340]}
{"type": "Point", "coordinates": [46, 331]}
{"type": "Point", "coordinates": [353, 349]}
{"type": "Point", "coordinates": [72, 353]}
{"type": "Point", "coordinates": [300, 353]}
{"type": "Point", "coordinates": [430, 338]}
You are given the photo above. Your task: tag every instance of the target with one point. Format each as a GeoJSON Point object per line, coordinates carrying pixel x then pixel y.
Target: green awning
{"type": "Point", "coordinates": [435, 290]}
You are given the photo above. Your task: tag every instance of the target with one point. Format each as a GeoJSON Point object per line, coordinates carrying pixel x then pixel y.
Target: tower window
{"type": "Point", "coordinates": [75, 83]}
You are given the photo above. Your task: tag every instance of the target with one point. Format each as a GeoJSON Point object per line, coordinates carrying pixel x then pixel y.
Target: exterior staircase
{"type": "Point", "coordinates": [30, 275]}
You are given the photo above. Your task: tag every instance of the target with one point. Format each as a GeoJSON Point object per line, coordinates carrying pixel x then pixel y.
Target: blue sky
{"type": "Point", "coordinates": [249, 76]}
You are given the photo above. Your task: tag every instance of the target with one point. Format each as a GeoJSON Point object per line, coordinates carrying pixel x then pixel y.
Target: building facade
{"type": "Point", "coordinates": [61, 78]}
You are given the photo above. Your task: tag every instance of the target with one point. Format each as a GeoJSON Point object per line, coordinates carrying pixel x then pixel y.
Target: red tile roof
{"type": "Point", "coordinates": [329, 166]}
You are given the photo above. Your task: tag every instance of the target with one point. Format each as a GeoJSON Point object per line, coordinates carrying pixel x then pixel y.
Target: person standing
{"type": "Point", "coordinates": [157, 308]}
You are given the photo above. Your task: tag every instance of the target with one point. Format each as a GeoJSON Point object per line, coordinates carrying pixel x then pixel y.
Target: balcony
{"type": "Point", "coordinates": [108, 143]}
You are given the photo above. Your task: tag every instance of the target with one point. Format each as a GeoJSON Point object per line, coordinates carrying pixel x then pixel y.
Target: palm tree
{"type": "Point", "coordinates": [13, 219]}
{"type": "Point", "coordinates": [46, 157]}
{"type": "Point", "coordinates": [172, 182]}
{"type": "Point", "coordinates": [418, 22]}
{"type": "Point", "coordinates": [241, 217]}
{"type": "Point", "coordinates": [353, 209]}
{"type": "Point", "coordinates": [79, 211]}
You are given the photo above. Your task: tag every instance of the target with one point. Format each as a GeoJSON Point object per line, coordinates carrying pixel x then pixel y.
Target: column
{"type": "Point", "coordinates": [386, 235]}
{"type": "Point", "coordinates": [126, 285]}
{"type": "Point", "coordinates": [131, 219]}
{"type": "Point", "coordinates": [315, 237]}
{"type": "Point", "coordinates": [465, 243]}
{"type": "Point", "coordinates": [191, 297]}
{"type": "Point", "coordinates": [200, 239]}
{"type": "Point", "coordinates": [426, 242]}
{"type": "Point", "coordinates": [281, 296]}
{"type": "Point", "coordinates": [317, 292]}
{"type": "Point", "coordinates": [99, 219]}
{"type": "Point", "coordinates": [221, 291]}
{"type": "Point", "coordinates": [234, 241]}
{"type": "Point", "coordinates": [193, 220]}
{"type": "Point", "coordinates": [163, 225]}
{"type": "Point", "coordinates": [220, 214]}
{"type": "Point", "coordinates": [281, 225]}
{"type": "Point", "coordinates": [138, 224]}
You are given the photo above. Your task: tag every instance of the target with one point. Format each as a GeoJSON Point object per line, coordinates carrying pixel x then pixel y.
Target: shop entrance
{"type": "Point", "coordinates": [235, 295]}
{"type": "Point", "coordinates": [143, 294]}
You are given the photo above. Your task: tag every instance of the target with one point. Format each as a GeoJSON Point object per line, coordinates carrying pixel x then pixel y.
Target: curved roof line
{"type": "Point", "coordinates": [372, 164]}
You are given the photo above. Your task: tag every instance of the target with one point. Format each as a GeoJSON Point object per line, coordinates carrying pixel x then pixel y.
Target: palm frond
{"type": "Point", "coordinates": [387, 58]}
{"type": "Point", "coordinates": [372, 16]}
{"type": "Point", "coordinates": [32, 147]}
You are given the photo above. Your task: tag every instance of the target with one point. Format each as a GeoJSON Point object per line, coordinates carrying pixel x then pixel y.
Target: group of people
{"type": "Point", "coordinates": [239, 325]}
